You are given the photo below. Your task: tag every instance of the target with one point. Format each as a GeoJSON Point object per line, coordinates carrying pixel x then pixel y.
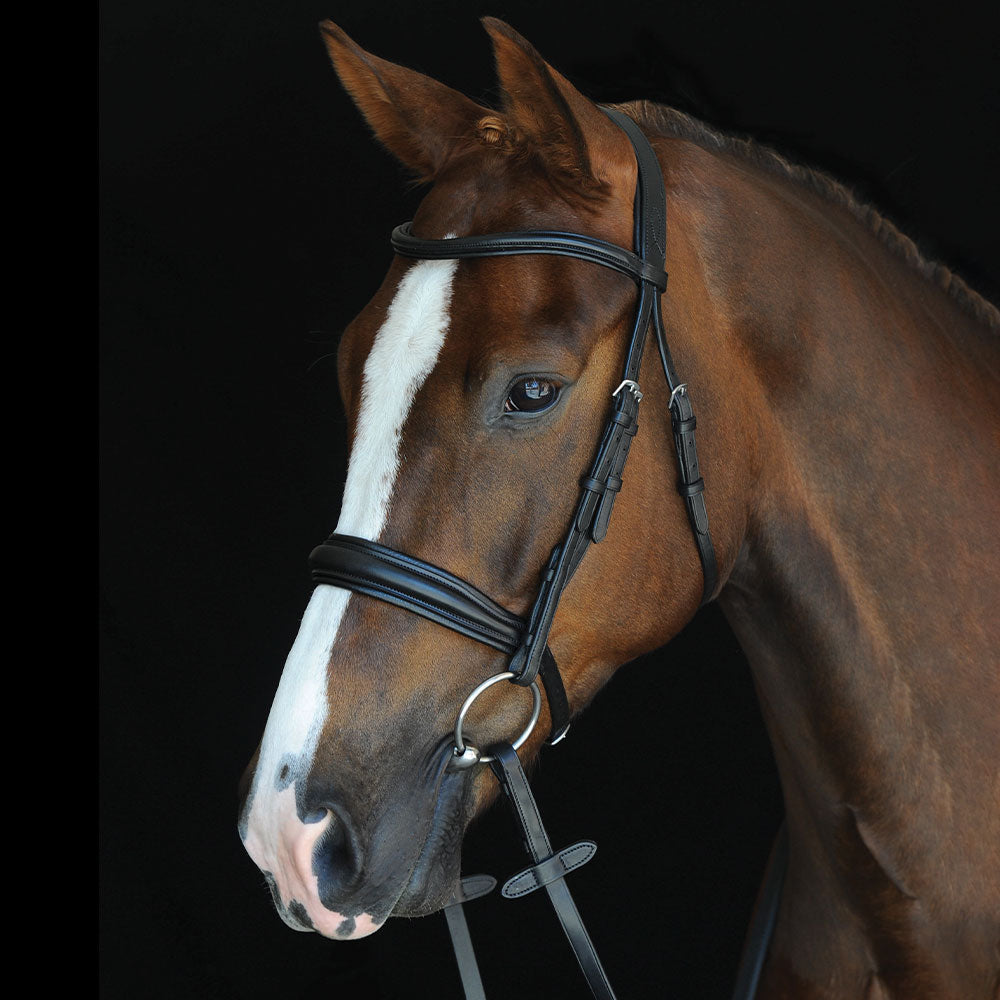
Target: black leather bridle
{"type": "Point", "coordinates": [366, 567]}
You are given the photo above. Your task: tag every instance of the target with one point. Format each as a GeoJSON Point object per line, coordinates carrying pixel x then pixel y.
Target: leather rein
{"type": "Point", "coordinates": [366, 567]}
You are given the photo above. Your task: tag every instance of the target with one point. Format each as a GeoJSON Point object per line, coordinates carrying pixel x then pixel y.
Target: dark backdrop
{"type": "Point", "coordinates": [245, 216]}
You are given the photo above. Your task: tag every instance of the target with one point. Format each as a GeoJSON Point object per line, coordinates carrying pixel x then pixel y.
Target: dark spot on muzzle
{"type": "Point", "coordinates": [294, 913]}
{"type": "Point", "coordinates": [288, 768]}
{"type": "Point", "coordinates": [297, 910]}
{"type": "Point", "coordinates": [346, 928]}
{"type": "Point", "coordinates": [273, 886]}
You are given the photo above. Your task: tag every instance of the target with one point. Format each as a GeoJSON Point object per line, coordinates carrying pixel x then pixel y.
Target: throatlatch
{"type": "Point", "coordinates": [369, 568]}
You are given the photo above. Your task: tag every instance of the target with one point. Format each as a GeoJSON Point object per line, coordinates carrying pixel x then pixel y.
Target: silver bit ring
{"type": "Point", "coordinates": [460, 749]}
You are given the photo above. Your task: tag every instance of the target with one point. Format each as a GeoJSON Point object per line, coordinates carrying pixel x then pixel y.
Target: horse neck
{"type": "Point", "coordinates": [866, 587]}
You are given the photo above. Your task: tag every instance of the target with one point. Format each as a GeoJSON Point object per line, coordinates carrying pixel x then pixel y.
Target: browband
{"type": "Point", "coordinates": [534, 241]}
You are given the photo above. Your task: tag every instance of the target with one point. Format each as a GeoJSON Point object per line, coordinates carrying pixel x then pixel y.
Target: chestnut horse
{"type": "Point", "coordinates": [848, 395]}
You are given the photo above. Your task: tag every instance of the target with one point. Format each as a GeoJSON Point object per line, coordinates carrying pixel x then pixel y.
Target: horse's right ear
{"type": "Point", "coordinates": [416, 118]}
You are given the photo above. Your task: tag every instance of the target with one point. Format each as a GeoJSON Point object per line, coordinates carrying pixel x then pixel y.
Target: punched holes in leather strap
{"type": "Point", "coordinates": [555, 867]}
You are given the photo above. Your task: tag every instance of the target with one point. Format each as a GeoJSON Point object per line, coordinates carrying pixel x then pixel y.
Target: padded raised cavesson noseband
{"type": "Point", "coordinates": [433, 593]}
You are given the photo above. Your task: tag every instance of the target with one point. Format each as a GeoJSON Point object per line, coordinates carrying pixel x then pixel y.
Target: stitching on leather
{"type": "Point", "coordinates": [520, 777]}
{"type": "Point", "coordinates": [509, 778]}
{"type": "Point", "coordinates": [588, 248]}
{"type": "Point", "coordinates": [441, 577]}
{"type": "Point", "coordinates": [537, 883]}
{"type": "Point", "coordinates": [517, 804]}
{"type": "Point", "coordinates": [599, 249]}
{"type": "Point", "coordinates": [488, 606]}
{"type": "Point", "coordinates": [378, 585]}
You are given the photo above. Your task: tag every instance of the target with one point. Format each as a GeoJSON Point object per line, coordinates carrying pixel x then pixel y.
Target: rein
{"type": "Point", "coordinates": [366, 567]}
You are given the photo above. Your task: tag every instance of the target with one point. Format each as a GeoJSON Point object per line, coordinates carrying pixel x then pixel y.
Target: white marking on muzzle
{"type": "Point", "coordinates": [404, 353]}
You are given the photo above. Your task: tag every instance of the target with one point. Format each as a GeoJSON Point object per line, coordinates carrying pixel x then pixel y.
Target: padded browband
{"type": "Point", "coordinates": [533, 241]}
{"type": "Point", "coordinates": [372, 569]}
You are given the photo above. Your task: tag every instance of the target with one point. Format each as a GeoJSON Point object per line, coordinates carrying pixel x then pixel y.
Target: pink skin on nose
{"type": "Point", "coordinates": [280, 843]}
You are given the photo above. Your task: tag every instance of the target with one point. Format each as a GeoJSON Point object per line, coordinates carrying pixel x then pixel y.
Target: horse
{"type": "Point", "coordinates": [848, 394]}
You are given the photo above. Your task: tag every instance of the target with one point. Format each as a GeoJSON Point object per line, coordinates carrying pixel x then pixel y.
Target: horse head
{"type": "Point", "coordinates": [476, 391]}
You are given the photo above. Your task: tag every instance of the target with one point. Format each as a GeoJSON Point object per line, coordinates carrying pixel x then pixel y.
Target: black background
{"type": "Point", "coordinates": [245, 216]}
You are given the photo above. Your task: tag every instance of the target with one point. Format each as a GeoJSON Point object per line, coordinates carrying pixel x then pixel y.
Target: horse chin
{"type": "Point", "coordinates": [428, 892]}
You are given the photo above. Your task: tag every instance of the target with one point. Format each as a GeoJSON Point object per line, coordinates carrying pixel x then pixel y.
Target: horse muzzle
{"type": "Point", "coordinates": [341, 864]}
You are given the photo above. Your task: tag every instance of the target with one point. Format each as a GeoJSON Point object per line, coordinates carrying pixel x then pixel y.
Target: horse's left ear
{"type": "Point", "coordinates": [574, 138]}
{"type": "Point", "coordinates": [416, 118]}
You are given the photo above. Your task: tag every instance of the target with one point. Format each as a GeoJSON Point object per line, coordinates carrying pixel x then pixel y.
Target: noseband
{"type": "Point", "coordinates": [369, 568]}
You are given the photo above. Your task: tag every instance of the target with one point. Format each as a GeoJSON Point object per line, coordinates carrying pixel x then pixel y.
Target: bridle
{"type": "Point", "coordinates": [366, 567]}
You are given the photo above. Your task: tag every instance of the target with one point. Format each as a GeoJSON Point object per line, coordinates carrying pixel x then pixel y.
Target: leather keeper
{"type": "Point", "coordinates": [555, 867]}
{"type": "Point", "coordinates": [472, 887]}
{"type": "Point", "coordinates": [612, 484]}
{"type": "Point", "coordinates": [699, 520]}
{"type": "Point", "coordinates": [691, 489]}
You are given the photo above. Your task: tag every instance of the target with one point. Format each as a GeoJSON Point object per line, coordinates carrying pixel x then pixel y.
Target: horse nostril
{"type": "Point", "coordinates": [337, 857]}
{"type": "Point", "coordinates": [334, 839]}
{"type": "Point", "coordinates": [336, 835]}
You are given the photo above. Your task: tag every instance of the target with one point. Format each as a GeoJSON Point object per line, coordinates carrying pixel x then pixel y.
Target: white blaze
{"type": "Point", "coordinates": [404, 352]}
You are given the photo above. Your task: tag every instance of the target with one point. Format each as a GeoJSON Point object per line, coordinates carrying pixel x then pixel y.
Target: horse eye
{"type": "Point", "coordinates": [531, 395]}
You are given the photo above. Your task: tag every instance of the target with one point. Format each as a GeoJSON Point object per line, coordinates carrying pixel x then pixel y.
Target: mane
{"type": "Point", "coordinates": [668, 122]}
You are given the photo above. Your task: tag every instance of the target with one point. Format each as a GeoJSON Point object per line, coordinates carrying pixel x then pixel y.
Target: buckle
{"type": "Point", "coordinates": [633, 388]}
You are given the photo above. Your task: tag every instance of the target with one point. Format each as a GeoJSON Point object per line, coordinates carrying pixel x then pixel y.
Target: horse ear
{"type": "Point", "coordinates": [572, 135]}
{"type": "Point", "coordinates": [416, 118]}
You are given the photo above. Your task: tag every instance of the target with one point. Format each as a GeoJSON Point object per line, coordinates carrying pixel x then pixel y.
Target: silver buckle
{"type": "Point", "coordinates": [633, 388]}
{"type": "Point", "coordinates": [681, 390]}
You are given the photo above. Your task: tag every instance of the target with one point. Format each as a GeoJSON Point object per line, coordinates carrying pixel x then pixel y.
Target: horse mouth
{"type": "Point", "coordinates": [436, 871]}
{"type": "Point", "coordinates": [404, 862]}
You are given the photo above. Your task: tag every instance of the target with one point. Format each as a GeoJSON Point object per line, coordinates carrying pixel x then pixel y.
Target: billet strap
{"type": "Point", "coordinates": [690, 484]}
{"type": "Point", "coordinates": [366, 567]}
{"type": "Point", "coordinates": [549, 868]}
{"type": "Point", "coordinates": [691, 487]}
